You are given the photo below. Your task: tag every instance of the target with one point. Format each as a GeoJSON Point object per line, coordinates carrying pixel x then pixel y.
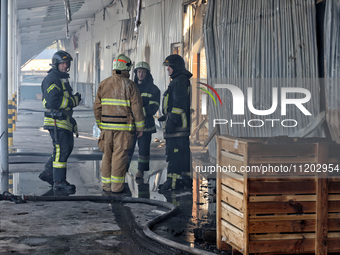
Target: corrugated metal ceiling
{"type": "Point", "coordinates": [41, 22]}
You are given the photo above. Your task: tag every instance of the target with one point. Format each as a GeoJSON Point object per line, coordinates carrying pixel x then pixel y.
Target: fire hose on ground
{"type": "Point", "coordinates": [116, 199]}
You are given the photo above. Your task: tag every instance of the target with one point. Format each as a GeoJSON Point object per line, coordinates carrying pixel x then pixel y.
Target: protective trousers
{"type": "Point", "coordinates": [116, 146]}
{"type": "Point", "coordinates": [62, 149]}
{"type": "Point", "coordinates": [178, 155]}
{"type": "Point", "coordinates": [143, 151]}
{"type": "Point", "coordinates": [179, 161]}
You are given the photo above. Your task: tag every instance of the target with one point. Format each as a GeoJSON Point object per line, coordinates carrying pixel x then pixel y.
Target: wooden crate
{"type": "Point", "coordinates": [278, 213]}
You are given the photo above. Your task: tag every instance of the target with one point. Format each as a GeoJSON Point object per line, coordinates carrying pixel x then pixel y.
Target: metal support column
{"type": "Point", "coordinates": [4, 96]}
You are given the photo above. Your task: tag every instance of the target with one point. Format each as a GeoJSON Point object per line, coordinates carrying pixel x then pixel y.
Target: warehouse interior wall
{"type": "Point", "coordinates": [112, 31]}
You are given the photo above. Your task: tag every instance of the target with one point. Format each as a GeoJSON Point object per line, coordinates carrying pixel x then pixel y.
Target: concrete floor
{"type": "Point", "coordinates": [87, 227]}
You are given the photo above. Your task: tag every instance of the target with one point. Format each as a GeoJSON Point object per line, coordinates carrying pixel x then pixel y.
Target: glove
{"type": "Point", "coordinates": [162, 118]}
{"type": "Point", "coordinates": [75, 126]}
{"type": "Point", "coordinates": [77, 98]}
{"type": "Point", "coordinates": [74, 100]}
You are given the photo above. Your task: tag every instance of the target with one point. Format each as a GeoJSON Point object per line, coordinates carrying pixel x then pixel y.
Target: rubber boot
{"type": "Point", "coordinates": [60, 183]}
{"type": "Point", "coordinates": [166, 185]}
{"type": "Point", "coordinates": [139, 177]}
{"type": "Point", "coordinates": [47, 174]}
{"type": "Point", "coordinates": [46, 177]}
{"type": "Point", "coordinates": [185, 182]}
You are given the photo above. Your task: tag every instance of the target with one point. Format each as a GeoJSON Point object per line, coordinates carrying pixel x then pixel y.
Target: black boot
{"type": "Point", "coordinates": [64, 185]}
{"type": "Point", "coordinates": [166, 185]}
{"type": "Point", "coordinates": [46, 177]}
{"type": "Point", "coordinates": [60, 183]}
{"type": "Point", "coordinates": [184, 183]}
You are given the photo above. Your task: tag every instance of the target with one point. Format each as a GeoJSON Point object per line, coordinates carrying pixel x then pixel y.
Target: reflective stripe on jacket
{"type": "Point", "coordinates": [118, 104]}
{"type": "Point", "coordinates": [57, 96]}
{"type": "Point", "coordinates": [151, 97]}
{"type": "Point", "coordinates": [176, 106]}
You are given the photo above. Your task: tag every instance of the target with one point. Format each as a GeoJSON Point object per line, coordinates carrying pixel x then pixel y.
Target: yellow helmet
{"type": "Point", "coordinates": [122, 63]}
{"type": "Point", "coordinates": [142, 65]}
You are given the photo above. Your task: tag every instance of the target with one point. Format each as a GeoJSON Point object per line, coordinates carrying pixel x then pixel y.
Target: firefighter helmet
{"type": "Point", "coordinates": [142, 65]}
{"type": "Point", "coordinates": [122, 63]}
{"type": "Point", "coordinates": [61, 57]}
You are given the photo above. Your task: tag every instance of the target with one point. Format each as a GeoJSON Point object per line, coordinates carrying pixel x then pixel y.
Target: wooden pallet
{"type": "Point", "coordinates": [275, 212]}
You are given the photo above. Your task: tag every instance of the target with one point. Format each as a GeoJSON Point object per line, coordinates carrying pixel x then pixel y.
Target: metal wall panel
{"type": "Point", "coordinates": [261, 44]}
{"type": "Point", "coordinates": [332, 67]}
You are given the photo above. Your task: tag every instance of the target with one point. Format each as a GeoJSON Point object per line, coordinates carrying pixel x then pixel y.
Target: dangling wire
{"type": "Point", "coordinates": [137, 21]}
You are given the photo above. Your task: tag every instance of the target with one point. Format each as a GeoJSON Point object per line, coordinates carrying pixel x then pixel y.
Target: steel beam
{"type": "Point", "coordinates": [4, 96]}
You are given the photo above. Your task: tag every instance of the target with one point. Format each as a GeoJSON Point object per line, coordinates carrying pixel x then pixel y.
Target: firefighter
{"type": "Point", "coordinates": [118, 112]}
{"type": "Point", "coordinates": [176, 115]}
{"type": "Point", "coordinates": [151, 97]}
{"type": "Point", "coordinates": [59, 101]}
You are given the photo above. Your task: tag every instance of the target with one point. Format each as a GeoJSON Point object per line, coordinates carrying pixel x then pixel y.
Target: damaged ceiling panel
{"type": "Point", "coordinates": [42, 22]}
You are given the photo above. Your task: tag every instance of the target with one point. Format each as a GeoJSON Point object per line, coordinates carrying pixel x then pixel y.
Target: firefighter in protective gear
{"type": "Point", "coordinates": [59, 101]}
{"type": "Point", "coordinates": [119, 114]}
{"type": "Point", "coordinates": [176, 115]}
{"type": "Point", "coordinates": [151, 97]}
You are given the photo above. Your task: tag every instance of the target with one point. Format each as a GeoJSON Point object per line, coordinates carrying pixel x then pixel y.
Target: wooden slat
{"type": "Point", "coordinates": [255, 237]}
{"type": "Point", "coordinates": [279, 160]}
{"type": "Point", "coordinates": [232, 198]}
{"type": "Point", "coordinates": [334, 186]}
{"type": "Point", "coordinates": [232, 216]}
{"type": "Point", "coordinates": [294, 226]}
{"type": "Point", "coordinates": [334, 216]}
{"type": "Point", "coordinates": [233, 156]}
{"type": "Point", "coordinates": [284, 207]}
{"type": "Point", "coordinates": [235, 175]}
{"type": "Point", "coordinates": [246, 209]}
{"type": "Point", "coordinates": [334, 178]}
{"type": "Point", "coordinates": [282, 217]}
{"type": "Point", "coordinates": [334, 206]}
{"type": "Point", "coordinates": [281, 188]}
{"type": "Point", "coordinates": [282, 246]}
{"type": "Point", "coordinates": [218, 199]}
{"type": "Point", "coordinates": [234, 183]}
{"type": "Point", "coordinates": [333, 235]}
{"type": "Point", "coordinates": [282, 150]}
{"type": "Point", "coordinates": [232, 235]}
{"type": "Point", "coordinates": [334, 197]}
{"type": "Point", "coordinates": [235, 251]}
{"type": "Point", "coordinates": [321, 204]}
{"type": "Point", "coordinates": [237, 146]}
{"type": "Point", "coordinates": [280, 198]}
{"type": "Point", "coordinates": [269, 175]}
{"type": "Point", "coordinates": [334, 245]}
{"type": "Point", "coordinates": [235, 164]}
{"type": "Point", "coordinates": [234, 229]}
{"type": "Point", "coordinates": [265, 178]}
{"type": "Point", "coordinates": [334, 225]}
